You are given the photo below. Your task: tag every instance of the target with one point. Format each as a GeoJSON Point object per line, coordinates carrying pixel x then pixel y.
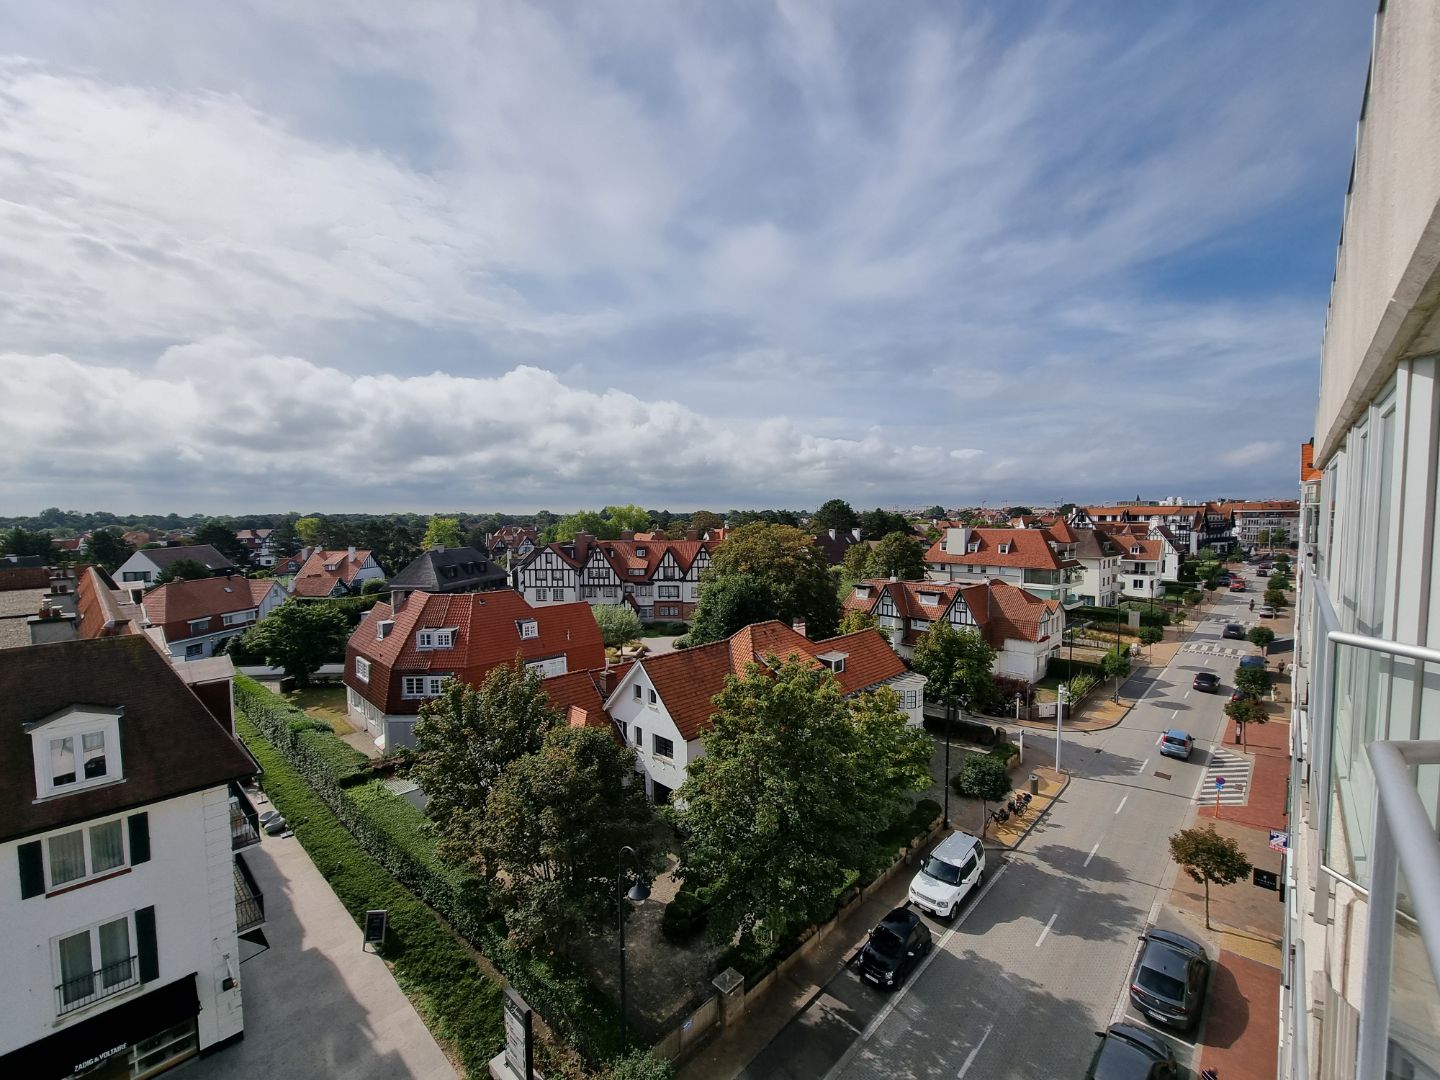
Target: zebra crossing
{"type": "Point", "coordinates": [1235, 768]}
{"type": "Point", "coordinates": [1213, 648]}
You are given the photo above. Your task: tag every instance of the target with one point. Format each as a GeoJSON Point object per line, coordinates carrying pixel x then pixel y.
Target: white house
{"type": "Point", "coordinates": [660, 579]}
{"type": "Point", "coordinates": [147, 564]}
{"type": "Point", "coordinates": [334, 573]}
{"type": "Point", "coordinates": [126, 899]}
{"type": "Point", "coordinates": [195, 617]}
{"type": "Point", "coordinates": [661, 706]}
{"type": "Point", "coordinates": [1036, 560]}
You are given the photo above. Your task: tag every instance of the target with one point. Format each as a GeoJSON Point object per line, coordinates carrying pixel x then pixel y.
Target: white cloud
{"type": "Point", "coordinates": [1255, 454]}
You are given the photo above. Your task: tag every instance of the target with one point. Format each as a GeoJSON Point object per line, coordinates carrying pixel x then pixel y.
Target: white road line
{"type": "Point", "coordinates": [1146, 763]}
{"type": "Point", "coordinates": [1122, 804]}
{"type": "Point", "coordinates": [1174, 713]}
{"type": "Point", "coordinates": [1045, 933]}
{"type": "Point", "coordinates": [970, 1057]}
{"type": "Point", "coordinates": [1092, 854]}
{"type": "Point", "coordinates": [1187, 693]}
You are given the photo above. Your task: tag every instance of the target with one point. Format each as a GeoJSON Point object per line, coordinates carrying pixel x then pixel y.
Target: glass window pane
{"type": "Point", "coordinates": [76, 981]}
{"type": "Point", "coordinates": [107, 847]}
{"type": "Point", "coordinates": [93, 750]}
{"type": "Point", "coordinates": [67, 857]}
{"type": "Point", "coordinates": [62, 761]}
{"type": "Point", "coordinates": [115, 952]}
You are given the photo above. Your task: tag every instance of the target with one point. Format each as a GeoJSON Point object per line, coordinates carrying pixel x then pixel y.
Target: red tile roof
{"type": "Point", "coordinates": [181, 601]}
{"type": "Point", "coordinates": [23, 577]}
{"type": "Point", "coordinates": [625, 555]}
{"type": "Point", "coordinates": [1028, 548]}
{"type": "Point", "coordinates": [1308, 472]}
{"type": "Point", "coordinates": [580, 696]}
{"type": "Point", "coordinates": [317, 579]}
{"type": "Point", "coordinates": [1007, 613]}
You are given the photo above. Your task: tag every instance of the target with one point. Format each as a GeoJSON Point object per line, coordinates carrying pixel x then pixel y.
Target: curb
{"type": "Point", "coordinates": [1030, 825]}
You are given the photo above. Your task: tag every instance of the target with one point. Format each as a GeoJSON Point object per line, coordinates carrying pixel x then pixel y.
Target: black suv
{"type": "Point", "coordinates": [895, 947]}
{"type": "Point", "coordinates": [1233, 630]}
{"type": "Point", "coordinates": [1127, 1052]}
{"type": "Point", "coordinates": [1168, 983]}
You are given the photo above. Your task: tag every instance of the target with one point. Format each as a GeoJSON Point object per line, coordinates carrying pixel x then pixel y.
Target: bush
{"type": "Point", "coordinates": [1158, 617]}
{"type": "Point", "coordinates": [964, 730]}
{"type": "Point", "coordinates": [907, 827]}
{"type": "Point", "coordinates": [665, 629]}
{"type": "Point", "coordinates": [1005, 750]}
{"type": "Point", "coordinates": [685, 916]}
{"type": "Point", "coordinates": [1082, 685]}
{"type": "Point", "coordinates": [373, 585]}
{"type": "Point", "coordinates": [639, 1065]}
{"type": "Point", "coordinates": [1006, 688]}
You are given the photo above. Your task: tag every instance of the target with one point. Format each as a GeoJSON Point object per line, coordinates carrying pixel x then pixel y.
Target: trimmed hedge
{"type": "Point", "coordinates": [398, 837]}
{"type": "Point", "coordinates": [456, 998]}
{"type": "Point", "coordinates": [685, 916]}
{"type": "Point", "coordinates": [965, 730]}
{"type": "Point", "coordinates": [1120, 614]}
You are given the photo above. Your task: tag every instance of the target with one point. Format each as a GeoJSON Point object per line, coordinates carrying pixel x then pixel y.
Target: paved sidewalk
{"type": "Point", "coordinates": [1243, 1027]}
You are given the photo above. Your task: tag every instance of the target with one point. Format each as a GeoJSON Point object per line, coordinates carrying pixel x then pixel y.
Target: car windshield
{"type": "Point", "coordinates": [1175, 740]}
{"type": "Point", "coordinates": [1161, 985]}
{"type": "Point", "coordinates": [941, 870]}
{"type": "Point", "coordinates": [884, 942]}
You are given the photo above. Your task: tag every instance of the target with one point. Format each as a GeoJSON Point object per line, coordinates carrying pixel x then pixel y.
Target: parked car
{"type": "Point", "coordinates": [1169, 980]}
{"type": "Point", "coordinates": [1233, 630]}
{"type": "Point", "coordinates": [896, 945]}
{"type": "Point", "coordinates": [1253, 661]}
{"type": "Point", "coordinates": [1236, 695]}
{"type": "Point", "coordinates": [1262, 571]}
{"type": "Point", "coordinates": [1237, 586]}
{"type": "Point", "coordinates": [1128, 1052]}
{"type": "Point", "coordinates": [1206, 682]}
{"type": "Point", "coordinates": [1265, 611]}
{"type": "Point", "coordinates": [952, 870]}
{"type": "Point", "coordinates": [1177, 743]}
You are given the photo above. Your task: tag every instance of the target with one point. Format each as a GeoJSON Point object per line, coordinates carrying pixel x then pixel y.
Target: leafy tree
{"type": "Point", "coordinates": [392, 542]}
{"type": "Point", "coordinates": [1275, 597]}
{"type": "Point", "coordinates": [877, 524]}
{"type": "Point", "coordinates": [1192, 597]}
{"type": "Point", "coordinates": [893, 755]}
{"type": "Point", "coordinates": [310, 530]}
{"type": "Point", "coordinates": [1019, 511]}
{"type": "Point", "coordinates": [783, 805]}
{"type": "Point", "coordinates": [105, 548]}
{"type": "Point", "coordinates": [373, 585]}
{"type": "Point", "coordinates": [791, 565]}
{"type": "Point", "coordinates": [836, 514]}
{"type": "Point", "coordinates": [897, 555]}
{"type": "Point", "coordinates": [223, 539]}
{"type": "Point", "coordinates": [284, 539]}
{"type": "Point", "coordinates": [729, 603]}
{"type": "Point", "coordinates": [584, 521]}
{"type": "Point", "coordinates": [553, 826]}
{"type": "Point", "coordinates": [1261, 637]}
{"type": "Point", "coordinates": [854, 566]}
{"type": "Point", "coordinates": [443, 531]}
{"type": "Point", "coordinates": [704, 520]}
{"type": "Point", "coordinates": [1207, 857]}
{"type": "Point", "coordinates": [1150, 636]}
{"type": "Point", "coordinates": [858, 620]}
{"type": "Point", "coordinates": [957, 666]}
{"type": "Point", "coordinates": [299, 637]}
{"type": "Point", "coordinates": [1252, 681]}
{"type": "Point", "coordinates": [1246, 711]}
{"type": "Point", "coordinates": [936, 512]}
{"type": "Point", "coordinates": [465, 739]}
{"type": "Point", "coordinates": [982, 777]}
{"type": "Point", "coordinates": [20, 542]}
{"type": "Point", "coordinates": [182, 570]}
{"type": "Point", "coordinates": [628, 518]}
{"type": "Point", "coordinates": [618, 623]}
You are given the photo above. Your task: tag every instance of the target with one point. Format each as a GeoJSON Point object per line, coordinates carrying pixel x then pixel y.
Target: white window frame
{"type": "Point", "coordinates": [76, 728]}
{"type": "Point", "coordinates": [91, 874]}
{"type": "Point", "coordinates": [428, 686]}
{"type": "Point", "coordinates": [654, 700]}
{"type": "Point", "coordinates": [236, 618]}
{"type": "Point", "coordinates": [93, 930]}
{"type": "Point", "coordinates": [655, 741]}
{"type": "Point", "coordinates": [435, 637]}
{"type": "Point", "coordinates": [639, 692]}
{"type": "Point", "coordinates": [528, 629]}
{"type": "Point", "coordinates": [667, 592]}
{"type": "Point", "coordinates": [199, 626]}
{"type": "Point", "coordinates": [362, 669]}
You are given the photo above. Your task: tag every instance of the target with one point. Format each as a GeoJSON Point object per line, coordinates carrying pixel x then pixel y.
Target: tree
{"type": "Point", "coordinates": [182, 570]}
{"type": "Point", "coordinates": [1115, 664]}
{"type": "Point", "coordinates": [704, 520]}
{"type": "Point", "coordinates": [793, 567]}
{"type": "Point", "coordinates": [20, 542]}
{"type": "Point", "coordinates": [957, 666]}
{"type": "Point", "coordinates": [858, 620]}
{"type": "Point", "coordinates": [835, 514]}
{"type": "Point", "coordinates": [284, 540]}
{"type": "Point", "coordinates": [628, 518]}
{"type": "Point", "coordinates": [985, 778]}
{"type": "Point", "coordinates": [223, 539]}
{"type": "Point", "coordinates": [877, 524]}
{"type": "Point", "coordinates": [310, 530]}
{"type": "Point", "coordinates": [443, 531]}
{"type": "Point", "coordinates": [1261, 637]}
{"type": "Point", "coordinates": [1207, 857]}
{"type": "Point", "coordinates": [1252, 681]}
{"type": "Point", "coordinates": [1192, 597]}
{"type": "Point", "coordinates": [893, 755]}
{"type": "Point", "coordinates": [554, 824]}
{"type": "Point", "coordinates": [854, 566]}
{"type": "Point", "coordinates": [299, 637]}
{"type": "Point", "coordinates": [1275, 597]}
{"type": "Point", "coordinates": [584, 521]}
{"type": "Point", "coordinates": [105, 548]}
{"type": "Point", "coordinates": [1245, 711]}
{"type": "Point", "coordinates": [373, 585]}
{"type": "Point", "coordinates": [465, 739]}
{"type": "Point", "coordinates": [935, 513]}
{"type": "Point", "coordinates": [782, 806]}
{"type": "Point", "coordinates": [728, 604]}
{"type": "Point", "coordinates": [392, 542]}
{"type": "Point", "coordinates": [1019, 511]}
{"type": "Point", "coordinates": [618, 623]}
{"type": "Point", "coordinates": [1150, 636]}
{"type": "Point", "coordinates": [897, 555]}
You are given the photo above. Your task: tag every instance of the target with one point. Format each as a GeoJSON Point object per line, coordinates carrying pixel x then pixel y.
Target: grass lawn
{"type": "Point", "coordinates": [325, 703]}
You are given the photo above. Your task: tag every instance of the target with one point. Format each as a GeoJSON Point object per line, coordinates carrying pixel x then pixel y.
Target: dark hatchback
{"type": "Point", "coordinates": [1168, 983]}
{"type": "Point", "coordinates": [896, 945]}
{"type": "Point", "coordinates": [1207, 682]}
{"type": "Point", "coordinates": [1233, 630]}
{"type": "Point", "coordinates": [1127, 1052]}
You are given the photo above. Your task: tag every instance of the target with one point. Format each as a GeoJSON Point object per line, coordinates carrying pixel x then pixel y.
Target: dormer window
{"type": "Point", "coordinates": [1005, 548]}
{"type": "Point", "coordinates": [835, 661]}
{"type": "Point", "coordinates": [435, 639]}
{"type": "Point", "coordinates": [76, 750]}
{"type": "Point", "coordinates": [528, 629]}
{"type": "Point", "coordinates": [862, 592]}
{"type": "Point", "coordinates": [1135, 550]}
{"type": "Point", "coordinates": [974, 546]}
{"type": "Point", "coordinates": [640, 552]}
{"type": "Point", "coordinates": [930, 599]}
{"type": "Point", "coordinates": [636, 571]}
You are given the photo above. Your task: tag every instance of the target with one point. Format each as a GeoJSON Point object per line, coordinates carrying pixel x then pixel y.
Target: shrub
{"type": "Point", "coordinates": [639, 1065]}
{"type": "Point", "coordinates": [1006, 688]}
{"type": "Point", "coordinates": [373, 585]}
{"type": "Point", "coordinates": [665, 629]}
{"type": "Point", "coordinates": [1081, 685]}
{"type": "Point", "coordinates": [1005, 750]}
{"type": "Point", "coordinates": [685, 916]}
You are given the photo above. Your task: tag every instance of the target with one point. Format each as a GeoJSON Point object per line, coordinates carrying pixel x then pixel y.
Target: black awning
{"type": "Point", "coordinates": [106, 1034]}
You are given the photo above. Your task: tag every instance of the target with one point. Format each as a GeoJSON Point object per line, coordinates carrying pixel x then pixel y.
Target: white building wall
{"type": "Point", "coordinates": [189, 883]}
{"type": "Point", "coordinates": [652, 720]}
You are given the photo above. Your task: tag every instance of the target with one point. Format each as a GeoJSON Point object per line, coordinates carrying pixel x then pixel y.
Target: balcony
{"type": "Point", "coordinates": [82, 990]}
{"type": "Point", "coordinates": [249, 900]}
{"type": "Point", "coordinates": [244, 821]}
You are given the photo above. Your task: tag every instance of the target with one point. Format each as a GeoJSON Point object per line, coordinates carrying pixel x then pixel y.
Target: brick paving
{"type": "Point", "coordinates": [1242, 1029]}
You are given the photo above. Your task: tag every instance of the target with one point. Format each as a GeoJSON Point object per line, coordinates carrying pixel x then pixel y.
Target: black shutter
{"type": "Point", "coordinates": [145, 944]}
{"type": "Point", "coordinates": [32, 870]}
{"type": "Point", "coordinates": [139, 839]}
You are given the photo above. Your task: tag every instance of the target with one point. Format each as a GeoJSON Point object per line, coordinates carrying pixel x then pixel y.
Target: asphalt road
{"type": "Point", "coordinates": [1035, 963]}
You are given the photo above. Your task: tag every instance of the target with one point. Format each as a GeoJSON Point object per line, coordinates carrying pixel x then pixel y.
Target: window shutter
{"type": "Point", "coordinates": [32, 870]}
{"type": "Point", "coordinates": [139, 838]}
{"type": "Point", "coordinates": [145, 944]}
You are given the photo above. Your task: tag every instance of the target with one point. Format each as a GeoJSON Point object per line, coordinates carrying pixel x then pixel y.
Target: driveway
{"type": "Point", "coordinates": [316, 1004]}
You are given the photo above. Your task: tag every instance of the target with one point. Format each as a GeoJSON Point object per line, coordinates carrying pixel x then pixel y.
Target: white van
{"type": "Point", "coordinates": [948, 874]}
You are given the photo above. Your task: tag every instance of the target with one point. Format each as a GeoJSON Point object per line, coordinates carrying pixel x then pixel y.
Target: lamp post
{"type": "Point", "coordinates": [637, 892]}
{"type": "Point", "coordinates": [949, 712]}
{"type": "Point", "coordinates": [1061, 693]}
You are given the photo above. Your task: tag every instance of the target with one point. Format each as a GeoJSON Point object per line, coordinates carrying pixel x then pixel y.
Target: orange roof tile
{"type": "Point", "coordinates": [1027, 548]}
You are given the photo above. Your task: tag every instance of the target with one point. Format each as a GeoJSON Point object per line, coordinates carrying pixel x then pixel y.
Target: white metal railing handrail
{"type": "Point", "coordinates": [1384, 645]}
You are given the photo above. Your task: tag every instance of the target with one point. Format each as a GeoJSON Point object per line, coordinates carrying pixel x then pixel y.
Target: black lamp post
{"type": "Point", "coordinates": [949, 712]}
{"type": "Point", "coordinates": [637, 892]}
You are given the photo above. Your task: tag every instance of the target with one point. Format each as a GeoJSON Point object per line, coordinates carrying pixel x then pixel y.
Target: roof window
{"type": "Point", "coordinates": [527, 628]}
{"type": "Point", "coordinates": [835, 661]}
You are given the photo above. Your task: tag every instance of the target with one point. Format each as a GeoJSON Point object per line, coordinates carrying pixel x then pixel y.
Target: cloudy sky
{"type": "Point", "coordinates": [274, 255]}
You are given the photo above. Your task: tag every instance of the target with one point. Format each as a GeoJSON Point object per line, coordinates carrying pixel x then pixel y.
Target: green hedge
{"type": "Point", "coordinates": [1157, 617]}
{"type": "Point", "coordinates": [455, 997]}
{"type": "Point", "coordinates": [397, 836]}
{"type": "Point", "coordinates": [685, 916]}
{"type": "Point", "coordinates": [964, 730]}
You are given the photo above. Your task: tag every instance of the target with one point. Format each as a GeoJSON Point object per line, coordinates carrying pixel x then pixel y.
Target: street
{"type": "Point", "coordinates": [1035, 962]}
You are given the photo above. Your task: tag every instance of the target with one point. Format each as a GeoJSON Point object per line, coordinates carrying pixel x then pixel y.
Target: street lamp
{"type": "Point", "coordinates": [1061, 693]}
{"type": "Point", "coordinates": [637, 892]}
{"type": "Point", "coordinates": [949, 712]}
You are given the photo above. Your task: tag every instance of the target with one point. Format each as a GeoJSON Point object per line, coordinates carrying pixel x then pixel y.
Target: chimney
{"type": "Point", "coordinates": [956, 541]}
{"type": "Point", "coordinates": [798, 626]}
{"type": "Point", "coordinates": [832, 535]}
{"type": "Point", "coordinates": [352, 552]}
{"type": "Point", "coordinates": [855, 535]}
{"type": "Point", "coordinates": [627, 534]}
{"type": "Point", "coordinates": [692, 534]}
{"type": "Point", "coordinates": [52, 625]}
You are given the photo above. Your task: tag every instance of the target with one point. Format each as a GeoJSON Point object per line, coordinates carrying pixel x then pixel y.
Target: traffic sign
{"type": "Point", "coordinates": [1219, 782]}
{"type": "Point", "coordinates": [1279, 841]}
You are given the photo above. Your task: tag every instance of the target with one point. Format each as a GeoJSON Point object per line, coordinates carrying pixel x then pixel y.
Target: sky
{"type": "Point", "coordinates": [356, 255]}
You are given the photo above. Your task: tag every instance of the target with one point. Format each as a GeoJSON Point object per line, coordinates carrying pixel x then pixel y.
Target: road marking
{"type": "Point", "coordinates": [1174, 713]}
{"type": "Point", "coordinates": [970, 1057]}
{"type": "Point", "coordinates": [1146, 763]}
{"type": "Point", "coordinates": [1122, 804]}
{"type": "Point", "coordinates": [1044, 933]}
{"type": "Point", "coordinates": [1092, 854]}
{"type": "Point", "coordinates": [1187, 693]}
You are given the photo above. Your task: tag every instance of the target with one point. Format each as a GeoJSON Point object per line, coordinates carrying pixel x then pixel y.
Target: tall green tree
{"type": "Point", "coordinates": [465, 739]}
{"type": "Point", "coordinates": [957, 665]}
{"type": "Point", "coordinates": [443, 531]}
{"type": "Point", "coordinates": [897, 555]}
{"type": "Point", "coordinates": [584, 521]}
{"type": "Point", "coordinates": [704, 520]}
{"type": "Point", "coordinates": [1209, 858]}
{"type": "Point", "coordinates": [182, 570]}
{"type": "Point", "coordinates": [1246, 711]}
{"type": "Point", "coordinates": [223, 539]}
{"type": "Point", "coordinates": [985, 778]}
{"type": "Point", "coordinates": [628, 518]}
{"type": "Point", "coordinates": [836, 514]}
{"type": "Point", "coordinates": [877, 524]}
{"type": "Point", "coordinates": [283, 537]}
{"type": "Point", "coordinates": [311, 530]}
{"type": "Point", "coordinates": [790, 564]}
{"type": "Point", "coordinates": [780, 808]}
{"type": "Point", "coordinates": [1252, 682]}
{"type": "Point", "coordinates": [300, 637]}
{"type": "Point", "coordinates": [859, 620]}
{"type": "Point", "coordinates": [854, 566]}
{"type": "Point", "coordinates": [553, 827]}
{"type": "Point", "coordinates": [936, 512]}
{"type": "Point", "coordinates": [618, 623]}
{"type": "Point", "coordinates": [105, 548]}
{"type": "Point", "coordinates": [1261, 637]}
{"type": "Point", "coordinates": [20, 542]}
